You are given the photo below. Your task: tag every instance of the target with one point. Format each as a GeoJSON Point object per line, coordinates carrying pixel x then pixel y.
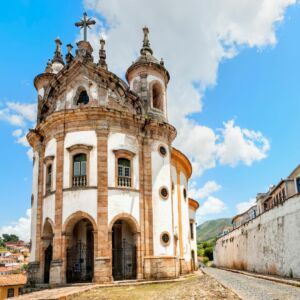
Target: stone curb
{"type": "Point", "coordinates": [270, 278]}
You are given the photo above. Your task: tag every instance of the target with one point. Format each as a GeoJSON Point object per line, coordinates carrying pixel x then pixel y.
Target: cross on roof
{"type": "Point", "coordinates": [85, 23]}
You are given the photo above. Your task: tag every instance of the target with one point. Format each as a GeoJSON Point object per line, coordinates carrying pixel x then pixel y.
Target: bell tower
{"type": "Point", "coordinates": [149, 78]}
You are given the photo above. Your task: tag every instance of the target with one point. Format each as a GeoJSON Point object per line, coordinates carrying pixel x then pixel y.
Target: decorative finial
{"type": "Point", "coordinates": [162, 62]}
{"type": "Point", "coordinates": [102, 55]}
{"type": "Point", "coordinates": [49, 66]}
{"type": "Point", "coordinates": [85, 23]}
{"type": "Point", "coordinates": [69, 56]}
{"type": "Point", "coordinates": [57, 54]}
{"type": "Point", "coordinates": [146, 43]}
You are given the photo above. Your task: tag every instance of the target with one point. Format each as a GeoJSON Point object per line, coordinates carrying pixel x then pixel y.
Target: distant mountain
{"type": "Point", "coordinates": [211, 229]}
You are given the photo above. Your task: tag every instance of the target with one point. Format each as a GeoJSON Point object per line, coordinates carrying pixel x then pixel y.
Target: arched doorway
{"type": "Point", "coordinates": [124, 254]}
{"type": "Point", "coordinates": [80, 252]}
{"type": "Point", "coordinates": [47, 249]}
{"type": "Point", "coordinates": [193, 260]}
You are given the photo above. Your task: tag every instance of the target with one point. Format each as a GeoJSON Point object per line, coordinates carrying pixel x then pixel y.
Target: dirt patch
{"type": "Point", "coordinates": [198, 287]}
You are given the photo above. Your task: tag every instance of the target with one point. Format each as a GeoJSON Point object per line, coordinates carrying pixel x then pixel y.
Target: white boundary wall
{"type": "Point", "coordinates": [269, 244]}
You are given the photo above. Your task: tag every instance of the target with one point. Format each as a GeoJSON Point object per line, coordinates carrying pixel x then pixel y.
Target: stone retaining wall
{"type": "Point", "coordinates": [269, 244]}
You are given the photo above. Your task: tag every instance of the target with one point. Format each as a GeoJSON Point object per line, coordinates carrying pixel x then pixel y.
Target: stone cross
{"type": "Point", "coordinates": [85, 23]}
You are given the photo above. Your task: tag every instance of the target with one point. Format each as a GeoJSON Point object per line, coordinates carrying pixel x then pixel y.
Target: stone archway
{"type": "Point", "coordinates": [80, 246]}
{"type": "Point", "coordinates": [47, 248]}
{"type": "Point", "coordinates": [125, 245]}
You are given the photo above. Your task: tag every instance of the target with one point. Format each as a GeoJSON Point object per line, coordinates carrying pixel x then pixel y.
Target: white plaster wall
{"type": "Point", "coordinates": [268, 244]}
{"type": "Point", "coordinates": [41, 91]}
{"type": "Point", "coordinates": [97, 94]}
{"type": "Point", "coordinates": [80, 200]}
{"type": "Point", "coordinates": [175, 208]}
{"type": "Point", "coordinates": [193, 242]}
{"type": "Point", "coordinates": [88, 138]}
{"type": "Point", "coordinates": [50, 150]}
{"type": "Point", "coordinates": [162, 209]}
{"type": "Point", "coordinates": [49, 208]}
{"type": "Point", "coordinates": [35, 173]}
{"type": "Point", "coordinates": [185, 218]}
{"type": "Point", "coordinates": [123, 202]}
{"type": "Point", "coordinates": [118, 141]}
{"type": "Point", "coordinates": [192, 214]}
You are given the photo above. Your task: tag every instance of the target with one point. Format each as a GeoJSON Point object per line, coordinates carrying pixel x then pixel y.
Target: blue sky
{"type": "Point", "coordinates": [257, 87]}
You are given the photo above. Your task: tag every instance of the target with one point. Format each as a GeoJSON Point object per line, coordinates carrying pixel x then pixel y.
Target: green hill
{"type": "Point", "coordinates": [211, 229]}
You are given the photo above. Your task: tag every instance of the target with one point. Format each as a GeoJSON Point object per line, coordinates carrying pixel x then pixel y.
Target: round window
{"type": "Point", "coordinates": [163, 150]}
{"type": "Point", "coordinates": [165, 238]}
{"type": "Point", "coordinates": [164, 192]}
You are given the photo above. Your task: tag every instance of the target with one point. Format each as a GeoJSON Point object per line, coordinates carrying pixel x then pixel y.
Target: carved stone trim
{"type": "Point", "coordinates": [79, 188]}
{"type": "Point", "coordinates": [124, 153]}
{"type": "Point", "coordinates": [48, 159]}
{"type": "Point", "coordinates": [124, 189]}
{"type": "Point", "coordinates": [80, 147]}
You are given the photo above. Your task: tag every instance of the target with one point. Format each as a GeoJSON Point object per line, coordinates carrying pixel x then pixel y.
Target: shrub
{"type": "Point", "coordinates": [208, 252]}
{"type": "Point", "coordinates": [205, 260]}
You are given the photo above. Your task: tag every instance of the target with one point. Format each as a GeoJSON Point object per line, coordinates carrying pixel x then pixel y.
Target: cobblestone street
{"type": "Point", "coordinates": [249, 288]}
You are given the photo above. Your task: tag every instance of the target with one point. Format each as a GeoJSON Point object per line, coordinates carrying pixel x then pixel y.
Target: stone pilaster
{"type": "Point", "coordinates": [179, 213]}
{"type": "Point", "coordinates": [39, 212]}
{"type": "Point", "coordinates": [56, 273]}
{"type": "Point", "coordinates": [147, 194]}
{"type": "Point", "coordinates": [102, 268]}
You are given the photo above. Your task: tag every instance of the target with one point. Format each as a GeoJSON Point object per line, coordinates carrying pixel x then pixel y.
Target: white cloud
{"type": "Point", "coordinates": [21, 228]}
{"type": "Point", "coordinates": [192, 50]}
{"type": "Point", "coordinates": [17, 133]}
{"type": "Point", "coordinates": [208, 189]}
{"type": "Point", "coordinates": [26, 110]}
{"type": "Point", "coordinates": [241, 145]}
{"type": "Point", "coordinates": [212, 205]}
{"type": "Point", "coordinates": [22, 115]}
{"type": "Point", "coordinates": [18, 114]}
{"type": "Point", "coordinates": [244, 206]}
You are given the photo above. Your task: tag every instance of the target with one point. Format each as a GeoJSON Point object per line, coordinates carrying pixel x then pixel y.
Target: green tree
{"type": "Point", "coordinates": [209, 253]}
{"type": "Point", "coordinates": [1, 242]}
{"type": "Point", "coordinates": [10, 238]}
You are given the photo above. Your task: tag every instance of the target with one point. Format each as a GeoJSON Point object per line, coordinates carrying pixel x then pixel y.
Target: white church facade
{"type": "Point", "coordinates": [109, 192]}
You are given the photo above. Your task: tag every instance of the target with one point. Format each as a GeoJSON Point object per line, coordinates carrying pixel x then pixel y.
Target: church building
{"type": "Point", "coordinates": [110, 192]}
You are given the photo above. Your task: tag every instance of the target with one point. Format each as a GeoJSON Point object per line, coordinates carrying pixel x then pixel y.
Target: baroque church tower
{"type": "Point", "coordinates": [109, 192]}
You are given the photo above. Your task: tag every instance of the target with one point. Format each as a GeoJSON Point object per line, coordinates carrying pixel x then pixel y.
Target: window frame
{"type": "Point", "coordinates": [192, 236]}
{"type": "Point", "coordinates": [73, 151]}
{"type": "Point", "coordinates": [126, 154]}
{"type": "Point", "coordinates": [165, 244]}
{"type": "Point", "coordinates": [48, 160]}
{"type": "Point", "coordinates": [13, 293]}
{"type": "Point", "coordinates": [77, 95]}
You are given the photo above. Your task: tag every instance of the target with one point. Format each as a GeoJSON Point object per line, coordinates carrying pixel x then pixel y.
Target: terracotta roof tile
{"type": "Point", "coordinates": [13, 279]}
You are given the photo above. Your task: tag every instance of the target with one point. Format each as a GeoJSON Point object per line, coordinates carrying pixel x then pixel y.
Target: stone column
{"type": "Point", "coordinates": [57, 275]}
{"type": "Point", "coordinates": [102, 270]}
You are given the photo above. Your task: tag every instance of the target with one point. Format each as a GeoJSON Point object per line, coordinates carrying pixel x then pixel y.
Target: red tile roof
{"type": "Point", "coordinates": [13, 279]}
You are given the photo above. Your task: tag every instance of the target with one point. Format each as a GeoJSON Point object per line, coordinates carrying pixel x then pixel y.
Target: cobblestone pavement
{"type": "Point", "coordinates": [197, 287]}
{"type": "Point", "coordinates": [250, 288]}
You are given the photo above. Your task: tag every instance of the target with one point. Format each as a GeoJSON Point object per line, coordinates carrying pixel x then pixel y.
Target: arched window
{"type": "Point", "coordinates": [83, 98]}
{"type": "Point", "coordinates": [79, 170]}
{"type": "Point", "coordinates": [124, 172]}
{"type": "Point", "coordinates": [48, 178]}
{"type": "Point", "coordinates": [157, 97]}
